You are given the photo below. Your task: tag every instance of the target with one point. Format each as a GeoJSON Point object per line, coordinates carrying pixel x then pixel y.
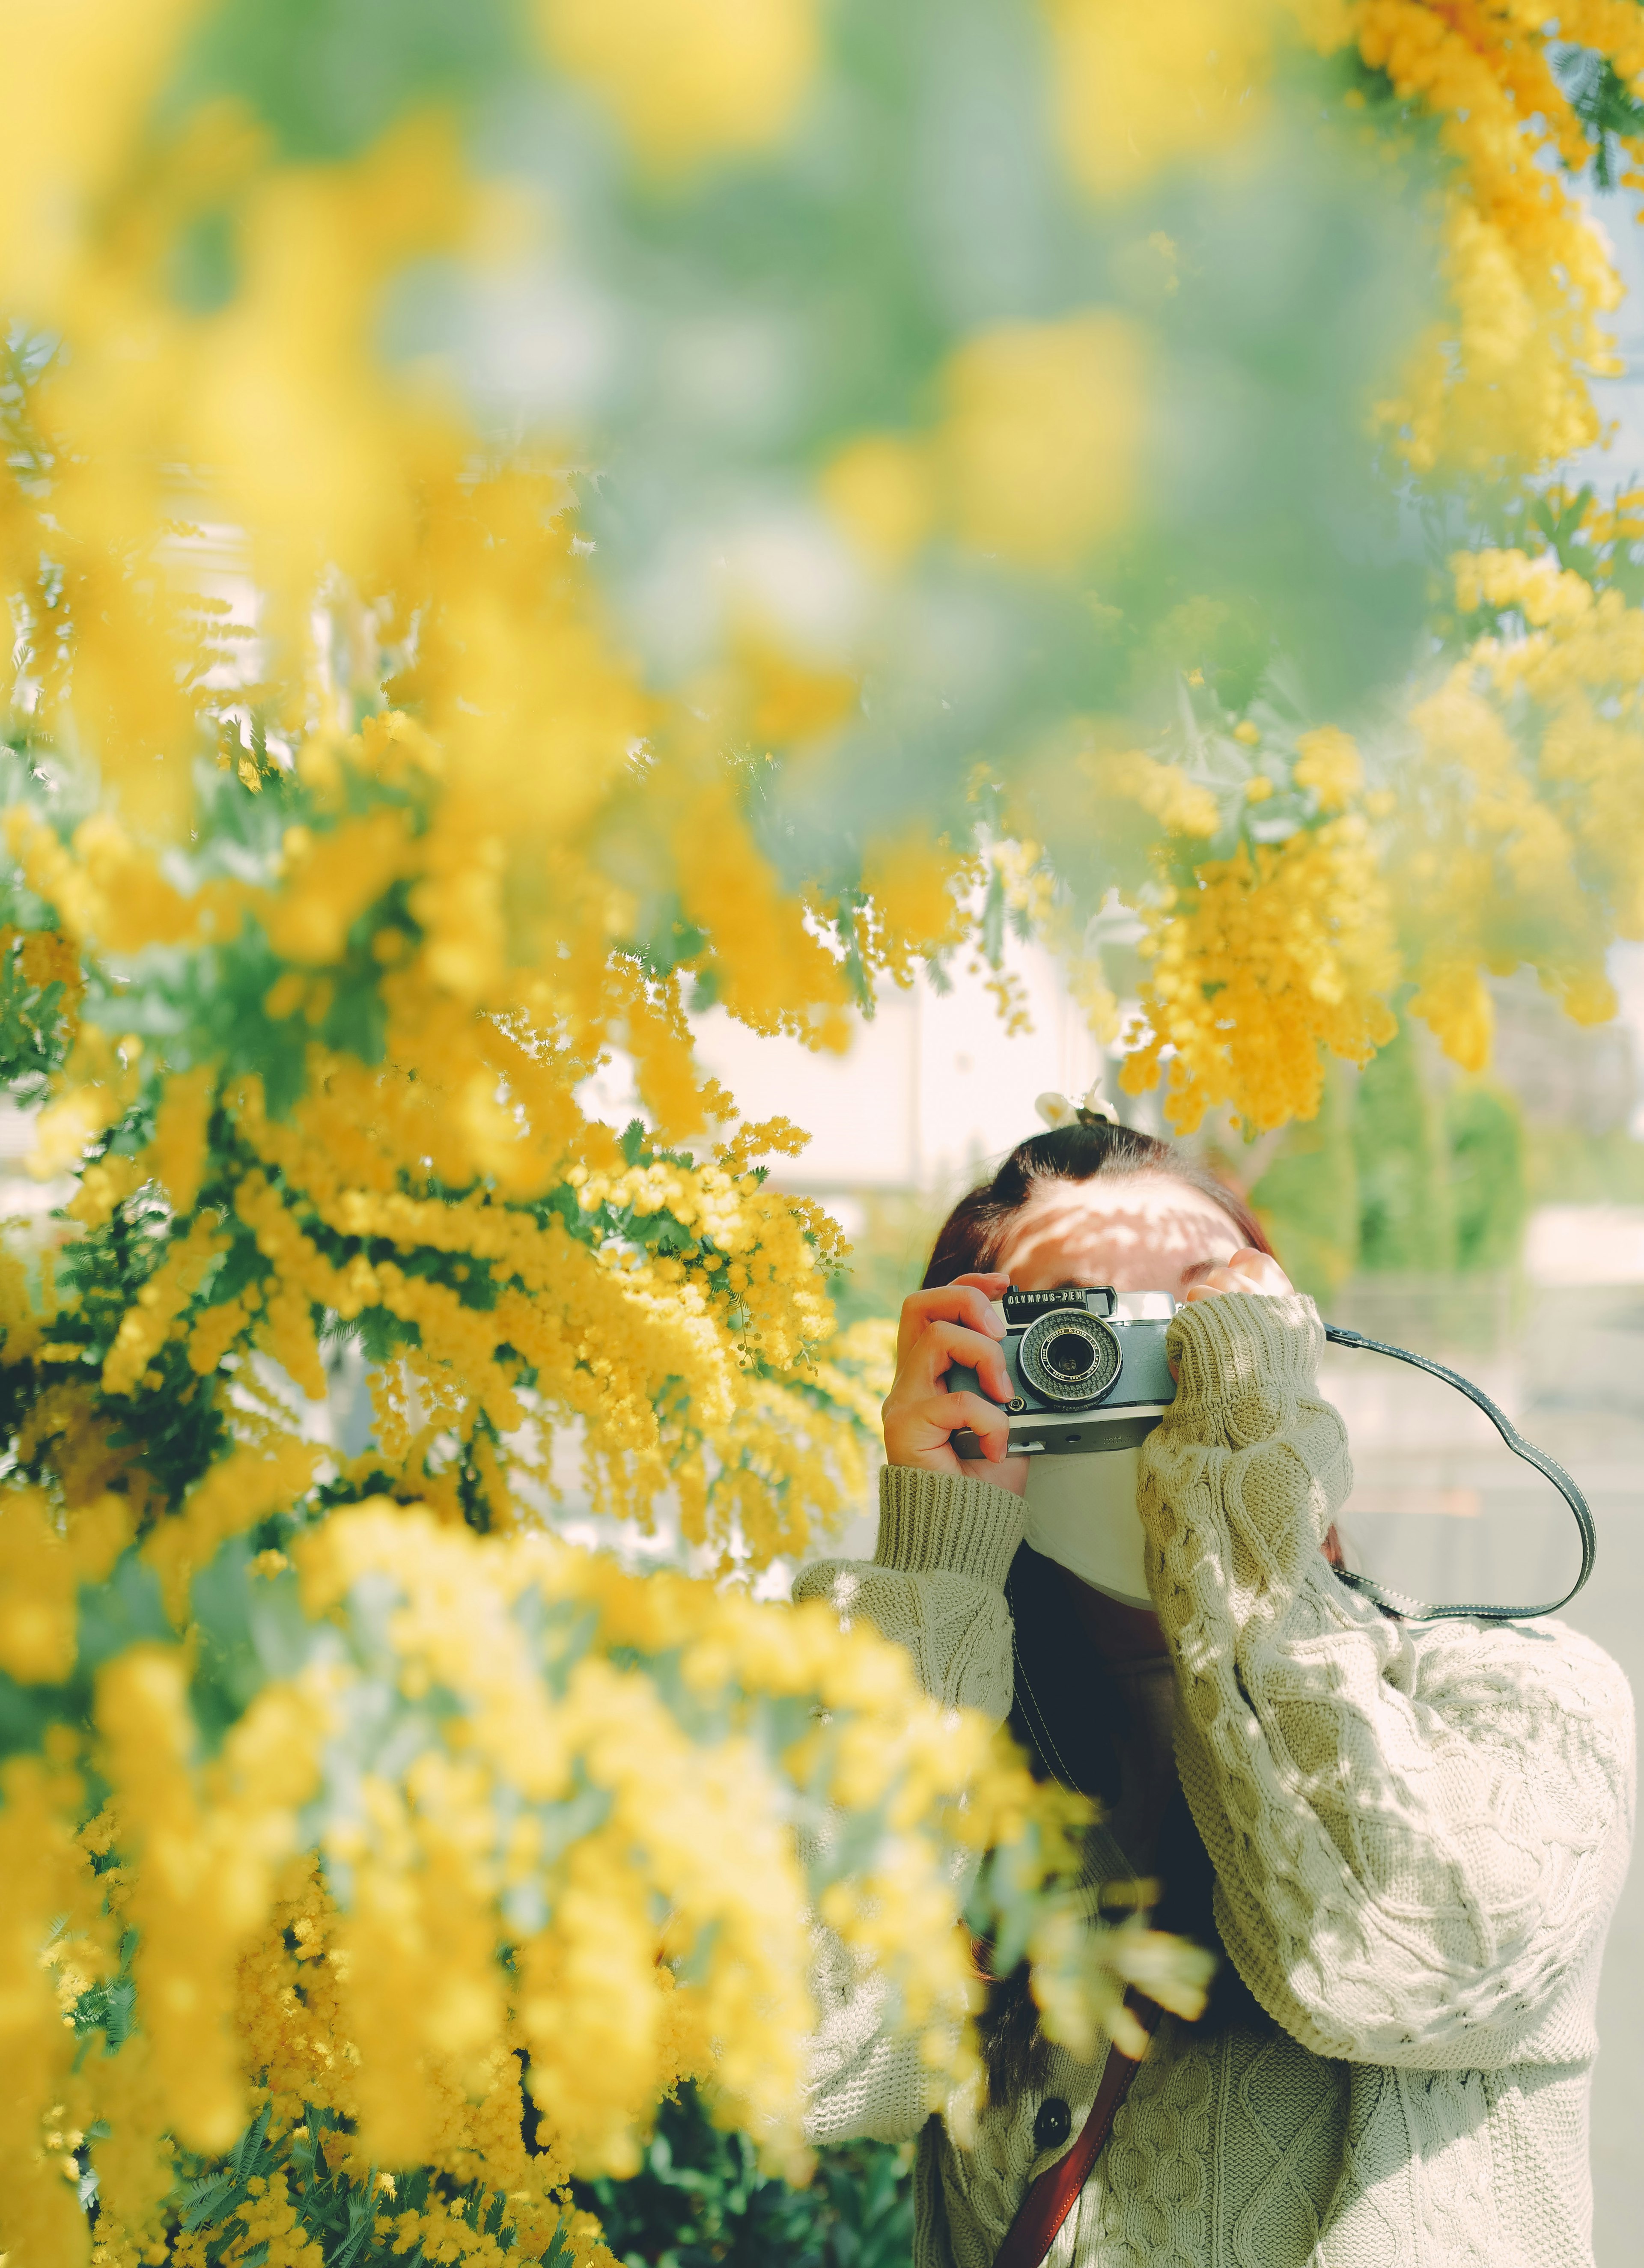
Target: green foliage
{"type": "Point", "coordinates": [179, 1417]}
{"type": "Point", "coordinates": [1569, 1164]}
{"type": "Point", "coordinates": [1406, 1222]}
{"type": "Point", "coordinates": [32, 1029]}
{"type": "Point", "coordinates": [699, 2201]}
{"type": "Point", "coordinates": [1309, 1196]}
{"type": "Point", "coordinates": [1605, 105]}
{"type": "Point", "coordinates": [352, 2219]}
{"type": "Point", "coordinates": [1402, 1173]}
{"type": "Point", "coordinates": [327, 76]}
{"type": "Point", "coordinates": [886, 1255]}
{"type": "Point", "coordinates": [1487, 1179]}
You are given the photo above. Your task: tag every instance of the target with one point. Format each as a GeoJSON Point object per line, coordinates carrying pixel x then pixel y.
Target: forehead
{"type": "Point", "coordinates": [1141, 1233]}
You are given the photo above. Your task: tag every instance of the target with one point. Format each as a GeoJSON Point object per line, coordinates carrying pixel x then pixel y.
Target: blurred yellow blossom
{"type": "Point", "coordinates": [1139, 87]}
{"type": "Point", "coordinates": [1040, 448]}
{"type": "Point", "coordinates": [880, 488]}
{"type": "Point", "coordinates": [1327, 762]}
{"type": "Point", "coordinates": [689, 78]}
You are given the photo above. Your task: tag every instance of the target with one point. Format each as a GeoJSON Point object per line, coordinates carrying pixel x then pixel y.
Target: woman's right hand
{"type": "Point", "coordinates": [957, 1323]}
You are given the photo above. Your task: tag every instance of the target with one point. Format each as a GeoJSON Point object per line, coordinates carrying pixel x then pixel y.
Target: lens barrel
{"type": "Point", "coordinates": [1070, 1357]}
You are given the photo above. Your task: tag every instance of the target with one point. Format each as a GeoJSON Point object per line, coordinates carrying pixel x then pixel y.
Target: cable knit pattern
{"type": "Point", "coordinates": [936, 1583]}
{"type": "Point", "coordinates": [1419, 1831]}
{"type": "Point", "coordinates": [1413, 1827]}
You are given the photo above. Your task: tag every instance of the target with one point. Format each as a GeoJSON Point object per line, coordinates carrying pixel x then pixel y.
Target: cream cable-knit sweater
{"type": "Point", "coordinates": [1418, 1832]}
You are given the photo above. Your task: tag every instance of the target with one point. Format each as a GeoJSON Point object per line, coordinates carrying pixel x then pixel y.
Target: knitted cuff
{"type": "Point", "coordinates": [1224, 1346]}
{"type": "Point", "coordinates": [928, 1520]}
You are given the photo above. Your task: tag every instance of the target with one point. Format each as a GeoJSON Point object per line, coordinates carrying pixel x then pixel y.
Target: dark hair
{"type": "Point", "coordinates": [974, 1233]}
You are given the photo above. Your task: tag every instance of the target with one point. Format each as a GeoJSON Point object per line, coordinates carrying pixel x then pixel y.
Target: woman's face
{"type": "Point", "coordinates": [1144, 1233]}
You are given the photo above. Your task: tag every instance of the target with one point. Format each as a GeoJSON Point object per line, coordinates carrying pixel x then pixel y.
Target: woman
{"type": "Point", "coordinates": [1406, 1838]}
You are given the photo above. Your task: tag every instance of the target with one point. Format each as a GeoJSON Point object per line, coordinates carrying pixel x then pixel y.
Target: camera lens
{"type": "Point", "coordinates": [1069, 1358]}
{"type": "Point", "coordinates": [1070, 1355]}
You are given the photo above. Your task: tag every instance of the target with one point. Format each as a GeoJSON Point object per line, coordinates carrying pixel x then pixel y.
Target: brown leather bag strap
{"type": "Point", "coordinates": [1052, 2197]}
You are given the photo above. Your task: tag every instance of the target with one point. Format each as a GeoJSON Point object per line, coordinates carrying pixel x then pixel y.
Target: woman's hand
{"type": "Point", "coordinates": [1251, 1270]}
{"type": "Point", "coordinates": [955, 1323]}
{"type": "Point", "coordinates": [1248, 1270]}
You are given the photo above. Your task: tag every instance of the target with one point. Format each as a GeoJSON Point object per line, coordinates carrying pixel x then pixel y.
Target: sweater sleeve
{"type": "Point", "coordinates": [1418, 1830]}
{"type": "Point", "coordinates": [935, 1584]}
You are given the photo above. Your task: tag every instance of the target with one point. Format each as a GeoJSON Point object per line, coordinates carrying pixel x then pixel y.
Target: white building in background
{"type": "Point", "coordinates": [935, 1089]}
{"type": "Point", "coordinates": [1571, 1246]}
{"type": "Point", "coordinates": [928, 1091]}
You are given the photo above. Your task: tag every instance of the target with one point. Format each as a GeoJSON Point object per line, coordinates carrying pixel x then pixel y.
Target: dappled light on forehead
{"type": "Point", "coordinates": [1145, 1232]}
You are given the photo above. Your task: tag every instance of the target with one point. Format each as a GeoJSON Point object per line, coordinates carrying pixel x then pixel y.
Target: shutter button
{"type": "Point", "coordinates": [1053, 2124]}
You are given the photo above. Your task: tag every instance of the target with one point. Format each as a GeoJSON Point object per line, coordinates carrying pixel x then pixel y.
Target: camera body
{"type": "Point", "coordinates": [1087, 1367]}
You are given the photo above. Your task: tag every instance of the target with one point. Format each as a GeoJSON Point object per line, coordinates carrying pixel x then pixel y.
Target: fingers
{"type": "Point", "coordinates": [986, 1420]}
{"type": "Point", "coordinates": [1247, 1270]}
{"type": "Point", "coordinates": [968, 1300]}
{"type": "Point", "coordinates": [954, 1325]}
{"type": "Point", "coordinates": [936, 1349]}
{"type": "Point", "coordinates": [1263, 1272]}
{"type": "Point", "coordinates": [917, 1431]}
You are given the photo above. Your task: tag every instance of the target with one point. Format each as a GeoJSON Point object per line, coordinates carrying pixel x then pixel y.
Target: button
{"type": "Point", "coordinates": [1053, 2124]}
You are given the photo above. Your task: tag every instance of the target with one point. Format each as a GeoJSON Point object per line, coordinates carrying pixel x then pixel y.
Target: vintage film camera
{"type": "Point", "coordinates": [1089, 1366]}
{"type": "Point", "coordinates": [1090, 1374]}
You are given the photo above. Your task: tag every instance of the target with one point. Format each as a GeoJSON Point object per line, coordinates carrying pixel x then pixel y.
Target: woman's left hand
{"type": "Point", "coordinates": [1251, 1270]}
{"type": "Point", "coordinates": [1248, 1270]}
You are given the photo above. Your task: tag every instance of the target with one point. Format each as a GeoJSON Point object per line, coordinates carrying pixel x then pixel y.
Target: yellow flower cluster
{"type": "Point", "coordinates": [1503, 380]}
{"type": "Point", "coordinates": [432, 1169]}
{"type": "Point", "coordinates": [1264, 959]}
{"type": "Point", "coordinates": [1180, 804]}
{"type": "Point", "coordinates": [1529, 844]}
{"type": "Point", "coordinates": [673, 1357]}
{"type": "Point", "coordinates": [601, 1771]}
{"type": "Point", "coordinates": [39, 2136]}
{"type": "Point", "coordinates": [1530, 276]}
{"type": "Point", "coordinates": [1260, 963]}
{"type": "Point", "coordinates": [42, 958]}
{"type": "Point", "coordinates": [1328, 764]}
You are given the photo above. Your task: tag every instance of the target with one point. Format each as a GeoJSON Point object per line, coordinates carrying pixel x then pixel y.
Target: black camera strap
{"type": "Point", "coordinates": [1414, 1610]}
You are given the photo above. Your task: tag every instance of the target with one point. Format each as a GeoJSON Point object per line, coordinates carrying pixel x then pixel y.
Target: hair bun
{"type": "Point", "coordinates": [1092, 1109]}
